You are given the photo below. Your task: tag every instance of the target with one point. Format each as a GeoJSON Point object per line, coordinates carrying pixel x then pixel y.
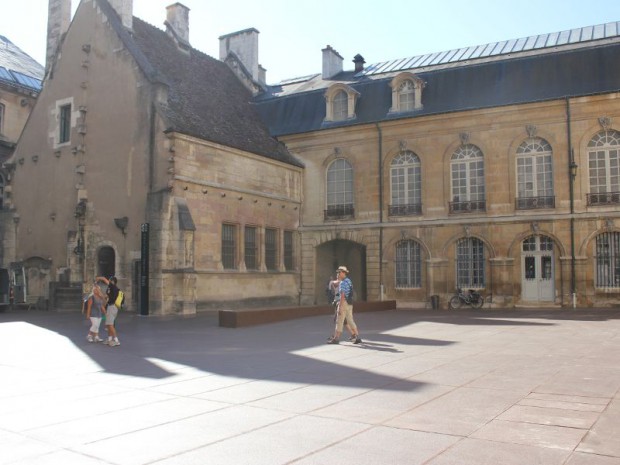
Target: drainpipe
{"type": "Point", "coordinates": [380, 161]}
{"type": "Point", "coordinates": [572, 166]}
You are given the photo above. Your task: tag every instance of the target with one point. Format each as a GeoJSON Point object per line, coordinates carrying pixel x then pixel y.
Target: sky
{"type": "Point", "coordinates": [293, 32]}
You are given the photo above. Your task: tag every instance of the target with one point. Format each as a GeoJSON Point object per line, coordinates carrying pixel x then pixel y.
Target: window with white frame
{"type": "Point", "coordinates": [406, 93]}
{"type": "Point", "coordinates": [604, 167]}
{"type": "Point", "coordinates": [229, 246]}
{"type": "Point", "coordinates": [470, 263]}
{"type": "Point", "coordinates": [339, 189]}
{"type": "Point", "coordinates": [535, 174]}
{"type": "Point", "coordinates": [406, 185]}
{"type": "Point", "coordinates": [607, 258]}
{"type": "Point", "coordinates": [468, 187]}
{"type": "Point", "coordinates": [408, 264]}
{"type": "Point", "coordinates": [340, 102]}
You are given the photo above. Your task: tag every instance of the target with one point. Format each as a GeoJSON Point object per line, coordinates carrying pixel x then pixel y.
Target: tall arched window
{"type": "Point", "coordinates": [470, 263]}
{"type": "Point", "coordinates": [608, 260]}
{"type": "Point", "coordinates": [406, 184]}
{"type": "Point", "coordinates": [408, 264]}
{"type": "Point", "coordinates": [604, 168]}
{"type": "Point", "coordinates": [339, 189]}
{"type": "Point", "coordinates": [467, 169]}
{"type": "Point", "coordinates": [535, 175]}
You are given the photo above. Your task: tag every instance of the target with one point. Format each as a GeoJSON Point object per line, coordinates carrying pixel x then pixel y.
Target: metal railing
{"type": "Point", "coordinates": [469, 206]}
{"type": "Point", "coordinates": [337, 212]}
{"type": "Point", "coordinates": [405, 209]}
{"type": "Point", "coordinates": [603, 198]}
{"type": "Point", "coordinates": [532, 203]}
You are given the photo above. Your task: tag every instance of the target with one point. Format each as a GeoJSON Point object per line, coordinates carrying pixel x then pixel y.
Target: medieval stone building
{"type": "Point", "coordinates": [200, 186]}
{"type": "Point", "coordinates": [141, 147]}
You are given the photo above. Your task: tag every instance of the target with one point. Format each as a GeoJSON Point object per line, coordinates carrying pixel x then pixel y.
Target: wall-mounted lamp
{"type": "Point", "coordinates": [121, 223]}
{"type": "Point", "coordinates": [572, 168]}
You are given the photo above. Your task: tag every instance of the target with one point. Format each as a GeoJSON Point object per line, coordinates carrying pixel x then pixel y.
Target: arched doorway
{"type": "Point", "coordinates": [106, 259]}
{"type": "Point", "coordinates": [333, 254]}
{"type": "Point", "coordinates": [537, 265]}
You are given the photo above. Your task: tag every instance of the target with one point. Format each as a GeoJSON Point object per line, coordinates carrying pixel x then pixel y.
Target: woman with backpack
{"type": "Point", "coordinates": [111, 309]}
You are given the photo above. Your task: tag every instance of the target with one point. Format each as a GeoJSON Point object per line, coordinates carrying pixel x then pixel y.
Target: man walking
{"type": "Point", "coordinates": [345, 308]}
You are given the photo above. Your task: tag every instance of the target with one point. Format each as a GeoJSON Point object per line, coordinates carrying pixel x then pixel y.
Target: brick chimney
{"type": "Point", "coordinates": [332, 62]}
{"type": "Point", "coordinates": [177, 20]}
{"type": "Point", "coordinates": [124, 8]}
{"type": "Point", "coordinates": [58, 20]}
{"type": "Point", "coordinates": [244, 44]}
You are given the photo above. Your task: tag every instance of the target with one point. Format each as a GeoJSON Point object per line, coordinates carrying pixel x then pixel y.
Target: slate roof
{"type": "Point", "coordinates": [298, 106]}
{"type": "Point", "coordinates": [17, 69]}
{"type": "Point", "coordinates": [205, 99]}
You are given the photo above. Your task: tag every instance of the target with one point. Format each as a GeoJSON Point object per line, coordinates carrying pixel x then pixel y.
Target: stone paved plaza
{"type": "Point", "coordinates": [518, 387]}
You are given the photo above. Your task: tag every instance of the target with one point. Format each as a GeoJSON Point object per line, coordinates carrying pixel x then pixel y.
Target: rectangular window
{"type": "Point", "coordinates": [64, 129]}
{"type": "Point", "coordinates": [1, 118]}
{"type": "Point", "coordinates": [250, 248]}
{"type": "Point", "coordinates": [271, 249]}
{"type": "Point", "coordinates": [288, 250]}
{"type": "Point", "coordinates": [229, 246]}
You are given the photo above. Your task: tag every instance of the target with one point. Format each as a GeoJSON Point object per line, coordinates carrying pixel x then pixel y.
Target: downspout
{"type": "Point", "coordinates": [571, 183]}
{"type": "Point", "coordinates": [380, 161]}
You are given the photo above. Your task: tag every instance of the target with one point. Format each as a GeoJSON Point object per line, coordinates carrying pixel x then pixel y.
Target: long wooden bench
{"type": "Point", "coordinates": [257, 316]}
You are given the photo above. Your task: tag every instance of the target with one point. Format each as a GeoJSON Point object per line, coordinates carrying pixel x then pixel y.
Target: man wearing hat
{"type": "Point", "coordinates": [345, 308]}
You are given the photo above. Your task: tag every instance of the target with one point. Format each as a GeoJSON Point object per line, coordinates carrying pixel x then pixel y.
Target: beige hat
{"type": "Point", "coordinates": [343, 268]}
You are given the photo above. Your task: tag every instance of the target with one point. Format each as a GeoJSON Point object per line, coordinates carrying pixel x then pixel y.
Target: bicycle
{"type": "Point", "coordinates": [472, 298]}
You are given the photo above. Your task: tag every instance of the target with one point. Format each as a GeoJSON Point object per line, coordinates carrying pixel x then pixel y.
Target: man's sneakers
{"type": "Point", "coordinates": [114, 343]}
{"type": "Point", "coordinates": [89, 338]}
{"type": "Point", "coordinates": [97, 339]}
{"type": "Point", "coordinates": [333, 340]}
{"type": "Point", "coordinates": [355, 339]}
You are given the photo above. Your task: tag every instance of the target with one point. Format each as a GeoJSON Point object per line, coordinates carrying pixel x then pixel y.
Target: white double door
{"type": "Point", "coordinates": [537, 267]}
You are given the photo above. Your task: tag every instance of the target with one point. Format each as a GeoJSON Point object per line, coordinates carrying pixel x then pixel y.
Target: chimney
{"type": "Point", "coordinates": [58, 20]}
{"type": "Point", "coordinates": [332, 62]}
{"type": "Point", "coordinates": [124, 8]}
{"type": "Point", "coordinates": [244, 44]}
{"type": "Point", "coordinates": [177, 19]}
{"type": "Point", "coordinates": [359, 63]}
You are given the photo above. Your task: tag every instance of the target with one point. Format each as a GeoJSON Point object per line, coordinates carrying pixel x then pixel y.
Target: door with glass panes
{"type": "Point", "coordinates": [537, 269]}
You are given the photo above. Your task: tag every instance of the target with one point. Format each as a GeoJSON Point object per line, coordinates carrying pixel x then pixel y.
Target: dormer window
{"type": "Point", "coordinates": [340, 103]}
{"type": "Point", "coordinates": [406, 93]}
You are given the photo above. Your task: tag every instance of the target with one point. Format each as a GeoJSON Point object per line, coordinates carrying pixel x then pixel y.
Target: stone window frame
{"type": "Point", "coordinates": [602, 148]}
{"type": "Point", "coordinates": [251, 247]}
{"type": "Point", "coordinates": [410, 201]}
{"type": "Point", "coordinates": [271, 249]}
{"type": "Point", "coordinates": [58, 124]}
{"type": "Point", "coordinates": [408, 264]}
{"type": "Point", "coordinates": [397, 85]}
{"type": "Point", "coordinates": [2, 113]}
{"type": "Point", "coordinates": [229, 247]}
{"type": "Point", "coordinates": [288, 250]}
{"type": "Point", "coordinates": [470, 263]}
{"type": "Point", "coordinates": [339, 191]}
{"type": "Point", "coordinates": [330, 97]}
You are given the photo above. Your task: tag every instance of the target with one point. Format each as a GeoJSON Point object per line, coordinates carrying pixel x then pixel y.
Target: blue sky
{"type": "Point", "coordinates": [292, 33]}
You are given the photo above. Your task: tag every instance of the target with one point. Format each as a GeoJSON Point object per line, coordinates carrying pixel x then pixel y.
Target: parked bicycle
{"type": "Point", "coordinates": [471, 297]}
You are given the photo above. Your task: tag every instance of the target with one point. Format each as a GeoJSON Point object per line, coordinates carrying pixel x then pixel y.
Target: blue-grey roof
{"type": "Point", "coordinates": [19, 69]}
{"type": "Point", "coordinates": [588, 64]}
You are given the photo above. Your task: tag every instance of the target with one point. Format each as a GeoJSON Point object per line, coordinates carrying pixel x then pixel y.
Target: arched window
{"type": "Point", "coordinates": [339, 189]}
{"type": "Point", "coordinates": [470, 263]}
{"type": "Point", "coordinates": [608, 260]}
{"type": "Point", "coordinates": [340, 102]}
{"type": "Point", "coordinates": [467, 170]}
{"type": "Point", "coordinates": [535, 175]}
{"type": "Point", "coordinates": [408, 264]}
{"type": "Point", "coordinates": [406, 92]}
{"type": "Point", "coordinates": [604, 168]}
{"type": "Point", "coordinates": [406, 184]}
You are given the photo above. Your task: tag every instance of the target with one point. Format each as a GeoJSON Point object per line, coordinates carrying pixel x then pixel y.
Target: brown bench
{"type": "Point", "coordinates": [257, 316]}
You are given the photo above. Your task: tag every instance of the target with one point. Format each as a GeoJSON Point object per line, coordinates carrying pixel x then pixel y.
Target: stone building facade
{"type": "Point", "coordinates": [136, 136]}
{"type": "Point", "coordinates": [494, 171]}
